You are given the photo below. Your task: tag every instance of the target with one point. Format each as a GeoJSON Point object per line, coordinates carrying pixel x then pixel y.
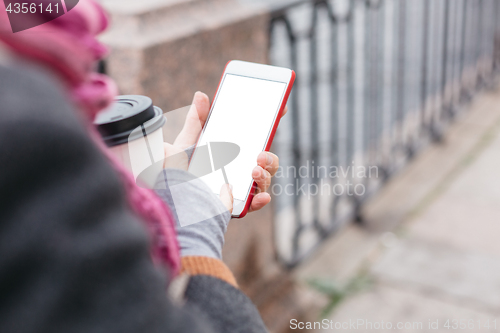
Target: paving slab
{"type": "Point", "coordinates": [467, 216]}
{"type": "Point", "coordinates": [389, 307]}
{"type": "Point", "coordinates": [467, 278]}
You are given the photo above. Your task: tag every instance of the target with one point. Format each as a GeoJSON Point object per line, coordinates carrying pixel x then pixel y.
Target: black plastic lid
{"type": "Point", "coordinates": [117, 123]}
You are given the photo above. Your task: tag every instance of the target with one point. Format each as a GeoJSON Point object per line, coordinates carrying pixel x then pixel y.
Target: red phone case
{"type": "Point", "coordinates": [271, 136]}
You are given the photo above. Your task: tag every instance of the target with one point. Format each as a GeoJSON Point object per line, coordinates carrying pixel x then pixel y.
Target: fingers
{"type": "Point", "coordinates": [285, 110]}
{"type": "Point", "coordinates": [259, 201]}
{"type": "Point", "coordinates": [195, 120]}
{"type": "Point", "coordinates": [269, 162]}
{"type": "Point", "coordinates": [267, 167]}
{"type": "Point", "coordinates": [226, 196]}
{"type": "Point", "coordinates": [262, 178]}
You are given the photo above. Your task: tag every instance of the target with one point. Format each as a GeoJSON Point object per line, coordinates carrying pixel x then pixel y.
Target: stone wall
{"type": "Point", "coordinates": [170, 49]}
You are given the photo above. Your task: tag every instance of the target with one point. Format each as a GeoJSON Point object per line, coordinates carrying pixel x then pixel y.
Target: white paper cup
{"type": "Point", "coordinates": [132, 129]}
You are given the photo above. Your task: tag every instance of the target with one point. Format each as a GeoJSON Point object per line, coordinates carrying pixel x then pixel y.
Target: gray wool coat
{"type": "Point", "coordinates": [73, 256]}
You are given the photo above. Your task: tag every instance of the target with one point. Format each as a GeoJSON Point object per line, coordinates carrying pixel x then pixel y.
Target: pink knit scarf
{"type": "Point", "coordinates": [69, 48]}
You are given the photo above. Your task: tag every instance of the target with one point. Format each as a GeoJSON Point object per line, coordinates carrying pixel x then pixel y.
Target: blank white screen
{"type": "Point", "coordinates": [243, 113]}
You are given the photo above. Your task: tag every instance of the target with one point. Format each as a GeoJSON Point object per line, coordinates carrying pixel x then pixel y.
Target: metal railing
{"type": "Point", "coordinates": [376, 82]}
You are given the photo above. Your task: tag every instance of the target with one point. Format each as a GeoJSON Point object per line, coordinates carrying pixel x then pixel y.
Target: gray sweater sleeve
{"type": "Point", "coordinates": [201, 217]}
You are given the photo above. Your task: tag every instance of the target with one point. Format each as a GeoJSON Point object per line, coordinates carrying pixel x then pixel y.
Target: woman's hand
{"type": "Point", "coordinates": [176, 157]}
{"type": "Point", "coordinates": [267, 166]}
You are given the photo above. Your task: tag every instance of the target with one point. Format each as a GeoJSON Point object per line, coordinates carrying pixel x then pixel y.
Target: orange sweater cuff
{"type": "Point", "coordinates": [194, 265]}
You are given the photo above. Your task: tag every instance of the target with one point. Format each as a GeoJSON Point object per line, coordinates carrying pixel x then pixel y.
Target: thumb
{"type": "Point", "coordinates": [195, 120]}
{"type": "Point", "coordinates": [226, 196]}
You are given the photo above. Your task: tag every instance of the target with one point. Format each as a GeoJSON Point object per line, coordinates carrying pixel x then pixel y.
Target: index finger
{"type": "Point", "coordinates": [268, 161]}
{"type": "Point", "coordinates": [285, 110]}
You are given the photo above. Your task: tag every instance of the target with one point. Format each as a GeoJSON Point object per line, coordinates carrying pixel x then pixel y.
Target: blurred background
{"type": "Point", "coordinates": [405, 89]}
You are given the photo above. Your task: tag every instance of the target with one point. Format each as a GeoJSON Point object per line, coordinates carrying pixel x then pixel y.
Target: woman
{"type": "Point", "coordinates": [74, 253]}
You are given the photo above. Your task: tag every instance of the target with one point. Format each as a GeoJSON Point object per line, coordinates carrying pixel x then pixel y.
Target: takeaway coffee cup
{"type": "Point", "coordinates": [132, 129]}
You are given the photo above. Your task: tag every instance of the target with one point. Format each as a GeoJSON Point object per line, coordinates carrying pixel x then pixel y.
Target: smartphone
{"type": "Point", "coordinates": [243, 119]}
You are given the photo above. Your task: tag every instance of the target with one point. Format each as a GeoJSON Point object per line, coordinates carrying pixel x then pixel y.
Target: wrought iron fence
{"type": "Point", "coordinates": [376, 82]}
